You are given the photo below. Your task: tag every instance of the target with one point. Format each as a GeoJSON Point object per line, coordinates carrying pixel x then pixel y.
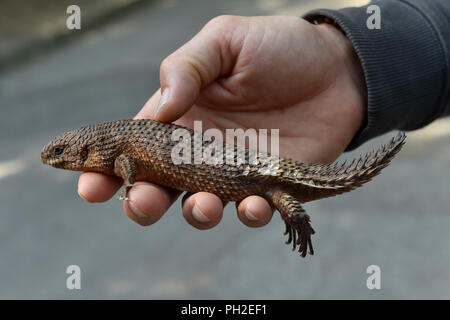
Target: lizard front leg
{"type": "Point", "coordinates": [297, 222]}
{"type": "Point", "coordinates": [125, 167]}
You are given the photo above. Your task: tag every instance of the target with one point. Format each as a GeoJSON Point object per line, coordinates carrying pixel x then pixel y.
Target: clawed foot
{"type": "Point", "coordinates": [123, 195]}
{"type": "Point", "coordinates": [300, 235]}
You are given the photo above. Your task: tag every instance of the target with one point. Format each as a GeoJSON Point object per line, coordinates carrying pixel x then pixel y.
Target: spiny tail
{"type": "Point", "coordinates": [364, 168]}
{"type": "Point", "coordinates": [335, 178]}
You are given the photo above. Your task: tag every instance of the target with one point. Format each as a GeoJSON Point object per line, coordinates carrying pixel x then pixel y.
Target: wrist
{"type": "Point", "coordinates": [349, 71]}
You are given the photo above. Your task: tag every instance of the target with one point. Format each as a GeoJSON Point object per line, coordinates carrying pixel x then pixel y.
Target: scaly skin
{"type": "Point", "coordinates": [141, 150]}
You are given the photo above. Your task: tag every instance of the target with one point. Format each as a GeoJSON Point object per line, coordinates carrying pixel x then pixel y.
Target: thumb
{"type": "Point", "coordinates": [192, 67]}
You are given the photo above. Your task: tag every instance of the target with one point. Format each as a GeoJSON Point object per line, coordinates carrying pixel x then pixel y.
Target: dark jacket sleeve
{"type": "Point", "coordinates": [406, 62]}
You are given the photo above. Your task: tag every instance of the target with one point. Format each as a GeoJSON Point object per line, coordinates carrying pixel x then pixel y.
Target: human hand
{"type": "Point", "coordinates": [250, 72]}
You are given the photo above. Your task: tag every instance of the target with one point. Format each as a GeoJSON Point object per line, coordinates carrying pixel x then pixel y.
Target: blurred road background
{"type": "Point", "coordinates": [400, 221]}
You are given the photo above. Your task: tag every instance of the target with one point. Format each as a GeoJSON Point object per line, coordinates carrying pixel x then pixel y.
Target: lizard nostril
{"type": "Point", "coordinates": [44, 156]}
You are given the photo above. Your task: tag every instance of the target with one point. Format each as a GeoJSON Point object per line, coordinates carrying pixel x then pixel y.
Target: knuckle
{"type": "Point", "coordinates": [166, 64]}
{"type": "Point", "coordinates": [222, 20]}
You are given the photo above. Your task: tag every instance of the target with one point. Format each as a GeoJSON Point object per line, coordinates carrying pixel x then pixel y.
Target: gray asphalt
{"type": "Point", "coordinates": [400, 221]}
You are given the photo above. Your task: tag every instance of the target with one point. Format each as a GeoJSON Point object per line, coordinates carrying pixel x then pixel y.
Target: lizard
{"type": "Point", "coordinates": [142, 150]}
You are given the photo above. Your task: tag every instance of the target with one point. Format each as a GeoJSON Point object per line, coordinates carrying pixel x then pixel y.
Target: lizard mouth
{"type": "Point", "coordinates": [54, 162]}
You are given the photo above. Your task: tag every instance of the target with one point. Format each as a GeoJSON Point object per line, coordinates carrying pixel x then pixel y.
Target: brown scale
{"type": "Point", "coordinates": [141, 150]}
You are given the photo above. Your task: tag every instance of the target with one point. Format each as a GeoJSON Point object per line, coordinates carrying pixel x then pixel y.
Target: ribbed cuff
{"type": "Point", "coordinates": [404, 66]}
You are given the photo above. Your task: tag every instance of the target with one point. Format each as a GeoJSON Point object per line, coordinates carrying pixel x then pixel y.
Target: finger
{"type": "Point", "coordinates": [188, 194]}
{"type": "Point", "coordinates": [203, 210]}
{"type": "Point", "coordinates": [254, 211]}
{"type": "Point", "coordinates": [148, 202]}
{"type": "Point", "coordinates": [185, 197]}
{"type": "Point", "coordinates": [97, 187]}
{"type": "Point", "coordinates": [148, 110]}
{"type": "Point", "coordinates": [192, 67]}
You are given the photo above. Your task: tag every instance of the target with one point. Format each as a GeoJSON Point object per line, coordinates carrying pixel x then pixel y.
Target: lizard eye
{"type": "Point", "coordinates": [58, 150]}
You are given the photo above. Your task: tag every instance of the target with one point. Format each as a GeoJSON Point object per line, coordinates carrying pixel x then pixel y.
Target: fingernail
{"type": "Point", "coordinates": [162, 101]}
{"type": "Point", "coordinates": [135, 210]}
{"type": "Point", "coordinates": [199, 215]}
{"type": "Point", "coordinates": [250, 216]}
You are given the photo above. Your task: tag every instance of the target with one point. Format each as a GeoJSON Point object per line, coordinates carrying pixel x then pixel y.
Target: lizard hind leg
{"type": "Point", "coordinates": [297, 221]}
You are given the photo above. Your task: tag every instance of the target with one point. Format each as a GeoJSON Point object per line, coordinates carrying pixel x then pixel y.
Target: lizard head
{"type": "Point", "coordinates": [67, 151]}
